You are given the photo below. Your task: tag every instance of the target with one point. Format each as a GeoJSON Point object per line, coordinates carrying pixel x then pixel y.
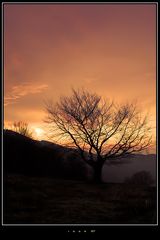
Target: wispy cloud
{"type": "Point", "coordinates": [22, 90]}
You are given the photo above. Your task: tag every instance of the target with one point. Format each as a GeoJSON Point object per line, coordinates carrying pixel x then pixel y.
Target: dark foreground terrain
{"type": "Point", "coordinates": [42, 200]}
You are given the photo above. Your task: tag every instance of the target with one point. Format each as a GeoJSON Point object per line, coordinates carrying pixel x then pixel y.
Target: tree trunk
{"type": "Point", "coordinates": [98, 172]}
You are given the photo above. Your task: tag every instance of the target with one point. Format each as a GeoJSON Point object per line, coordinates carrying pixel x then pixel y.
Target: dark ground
{"type": "Point", "coordinates": [42, 200]}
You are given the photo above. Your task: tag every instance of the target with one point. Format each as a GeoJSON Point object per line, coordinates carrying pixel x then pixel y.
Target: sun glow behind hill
{"type": "Point", "coordinates": [39, 132]}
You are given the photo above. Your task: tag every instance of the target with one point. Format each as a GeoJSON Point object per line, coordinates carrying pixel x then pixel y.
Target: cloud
{"type": "Point", "coordinates": [22, 90]}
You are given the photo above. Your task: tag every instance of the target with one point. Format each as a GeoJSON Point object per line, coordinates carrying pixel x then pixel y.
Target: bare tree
{"type": "Point", "coordinates": [22, 128]}
{"type": "Point", "coordinates": [99, 129]}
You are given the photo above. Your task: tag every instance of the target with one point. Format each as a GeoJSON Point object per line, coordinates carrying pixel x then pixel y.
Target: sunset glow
{"type": "Point", "coordinates": [109, 49]}
{"type": "Point", "coordinates": [39, 132]}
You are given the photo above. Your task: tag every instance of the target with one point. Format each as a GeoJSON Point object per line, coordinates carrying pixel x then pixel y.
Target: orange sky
{"type": "Point", "coordinates": [109, 49]}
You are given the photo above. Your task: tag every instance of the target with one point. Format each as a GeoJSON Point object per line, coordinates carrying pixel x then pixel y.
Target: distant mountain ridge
{"type": "Point", "coordinates": [115, 161]}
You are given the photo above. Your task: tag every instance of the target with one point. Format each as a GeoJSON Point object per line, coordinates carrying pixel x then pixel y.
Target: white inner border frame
{"type": "Point", "coordinates": [83, 3]}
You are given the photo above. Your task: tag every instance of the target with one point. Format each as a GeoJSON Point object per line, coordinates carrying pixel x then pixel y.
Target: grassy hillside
{"type": "Point", "coordinates": [45, 200]}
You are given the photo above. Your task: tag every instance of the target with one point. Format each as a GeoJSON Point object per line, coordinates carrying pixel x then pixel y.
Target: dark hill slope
{"type": "Point", "coordinates": [30, 157]}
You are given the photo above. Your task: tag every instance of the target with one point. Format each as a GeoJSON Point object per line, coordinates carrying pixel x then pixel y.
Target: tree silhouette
{"type": "Point", "coordinates": [99, 129]}
{"type": "Point", "coordinates": [22, 128]}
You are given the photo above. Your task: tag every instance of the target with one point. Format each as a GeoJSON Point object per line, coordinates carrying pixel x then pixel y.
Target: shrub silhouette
{"type": "Point", "coordinates": [22, 128]}
{"type": "Point", "coordinates": [140, 178]}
